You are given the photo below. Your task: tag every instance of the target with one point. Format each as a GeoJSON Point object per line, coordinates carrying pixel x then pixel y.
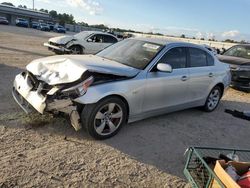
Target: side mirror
{"type": "Point", "coordinates": [164, 67]}
{"type": "Point", "coordinates": [89, 40]}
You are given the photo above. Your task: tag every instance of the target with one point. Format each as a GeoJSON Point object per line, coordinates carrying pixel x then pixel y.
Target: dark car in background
{"type": "Point", "coordinates": [4, 21]}
{"type": "Point", "coordinates": [43, 27]}
{"type": "Point", "coordinates": [34, 25]}
{"type": "Point", "coordinates": [238, 57]}
{"type": "Point", "coordinates": [51, 26]}
{"type": "Point", "coordinates": [59, 29]}
{"type": "Point", "coordinates": [22, 22]}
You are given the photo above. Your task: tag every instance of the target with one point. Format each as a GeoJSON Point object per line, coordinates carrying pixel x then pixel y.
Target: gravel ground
{"type": "Point", "coordinates": [42, 151]}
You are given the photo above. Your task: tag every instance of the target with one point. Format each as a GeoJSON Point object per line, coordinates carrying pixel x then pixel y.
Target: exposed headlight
{"type": "Point", "coordinates": [240, 68]}
{"type": "Point", "coordinates": [81, 88]}
{"type": "Point", "coordinates": [244, 68]}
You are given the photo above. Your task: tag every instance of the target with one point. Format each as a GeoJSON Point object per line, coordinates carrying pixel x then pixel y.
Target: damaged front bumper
{"type": "Point", "coordinates": [30, 98]}
{"type": "Point", "coordinates": [55, 48]}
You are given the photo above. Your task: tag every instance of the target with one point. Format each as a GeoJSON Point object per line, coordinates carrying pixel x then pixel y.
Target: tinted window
{"type": "Point", "coordinates": [239, 51]}
{"type": "Point", "coordinates": [210, 60]}
{"type": "Point", "coordinates": [175, 57]}
{"type": "Point", "coordinates": [109, 39]}
{"type": "Point", "coordinates": [198, 58]}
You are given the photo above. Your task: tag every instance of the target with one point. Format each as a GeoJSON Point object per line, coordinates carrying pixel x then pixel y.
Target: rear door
{"type": "Point", "coordinates": [201, 73]}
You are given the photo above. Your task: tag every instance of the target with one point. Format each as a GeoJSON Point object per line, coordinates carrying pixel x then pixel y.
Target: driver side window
{"type": "Point", "coordinates": [176, 57]}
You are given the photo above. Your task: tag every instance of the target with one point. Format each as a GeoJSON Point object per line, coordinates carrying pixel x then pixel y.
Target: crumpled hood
{"type": "Point", "coordinates": [66, 69]}
{"type": "Point", "coordinates": [234, 60]}
{"type": "Point", "coordinates": [61, 39]}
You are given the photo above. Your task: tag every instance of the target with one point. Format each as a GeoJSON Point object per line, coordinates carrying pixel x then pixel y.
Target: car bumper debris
{"type": "Point", "coordinates": [31, 98]}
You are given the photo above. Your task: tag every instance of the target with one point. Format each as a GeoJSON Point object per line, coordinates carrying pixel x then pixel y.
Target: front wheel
{"type": "Point", "coordinates": [76, 50]}
{"type": "Point", "coordinates": [105, 118]}
{"type": "Point", "coordinates": [213, 99]}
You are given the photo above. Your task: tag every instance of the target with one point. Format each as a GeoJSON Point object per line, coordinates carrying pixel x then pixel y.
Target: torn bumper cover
{"type": "Point", "coordinates": [30, 98]}
{"type": "Point", "coordinates": [57, 48]}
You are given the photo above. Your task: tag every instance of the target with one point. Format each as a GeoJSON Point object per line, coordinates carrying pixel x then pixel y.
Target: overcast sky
{"type": "Point", "coordinates": [221, 19]}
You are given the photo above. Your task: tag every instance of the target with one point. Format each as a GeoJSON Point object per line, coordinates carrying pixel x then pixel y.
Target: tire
{"type": "Point", "coordinates": [76, 50]}
{"type": "Point", "coordinates": [213, 99]}
{"type": "Point", "coordinates": [105, 118]}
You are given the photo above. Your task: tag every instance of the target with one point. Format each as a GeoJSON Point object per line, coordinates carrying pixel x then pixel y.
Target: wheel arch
{"type": "Point", "coordinates": [79, 45]}
{"type": "Point", "coordinates": [97, 100]}
{"type": "Point", "coordinates": [221, 86]}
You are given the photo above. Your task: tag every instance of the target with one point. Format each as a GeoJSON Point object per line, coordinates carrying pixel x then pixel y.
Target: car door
{"type": "Point", "coordinates": [201, 73]}
{"type": "Point", "coordinates": [166, 90]}
{"type": "Point", "coordinates": [94, 44]}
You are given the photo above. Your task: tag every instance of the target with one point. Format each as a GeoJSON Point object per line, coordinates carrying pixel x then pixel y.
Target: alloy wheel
{"type": "Point", "coordinates": [108, 119]}
{"type": "Point", "coordinates": [213, 99]}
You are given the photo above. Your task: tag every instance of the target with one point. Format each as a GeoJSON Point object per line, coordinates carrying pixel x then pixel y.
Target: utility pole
{"type": "Point", "coordinates": [33, 4]}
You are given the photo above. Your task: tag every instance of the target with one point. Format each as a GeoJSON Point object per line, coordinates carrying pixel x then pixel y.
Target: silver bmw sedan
{"type": "Point", "coordinates": [128, 81]}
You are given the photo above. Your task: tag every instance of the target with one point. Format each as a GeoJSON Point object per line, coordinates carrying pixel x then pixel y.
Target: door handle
{"type": "Point", "coordinates": [184, 78]}
{"type": "Point", "coordinates": [211, 74]}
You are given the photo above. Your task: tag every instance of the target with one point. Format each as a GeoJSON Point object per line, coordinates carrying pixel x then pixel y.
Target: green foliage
{"type": "Point", "coordinates": [7, 3]}
{"type": "Point", "coordinates": [62, 18]}
{"type": "Point", "coordinates": [229, 40]}
{"type": "Point", "coordinates": [22, 6]}
{"type": "Point", "coordinates": [44, 10]}
{"type": "Point", "coordinates": [183, 36]}
{"type": "Point", "coordinates": [100, 26]}
{"type": "Point", "coordinates": [83, 24]}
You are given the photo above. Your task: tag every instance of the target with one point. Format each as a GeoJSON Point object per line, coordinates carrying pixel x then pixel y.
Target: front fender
{"type": "Point", "coordinates": [95, 94]}
{"type": "Point", "coordinates": [74, 43]}
{"type": "Point", "coordinates": [131, 90]}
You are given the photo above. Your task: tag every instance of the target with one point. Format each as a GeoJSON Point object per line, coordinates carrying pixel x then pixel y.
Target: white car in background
{"type": "Point", "coordinates": [86, 42]}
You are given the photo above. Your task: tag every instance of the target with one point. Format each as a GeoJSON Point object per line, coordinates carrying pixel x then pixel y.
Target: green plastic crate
{"type": "Point", "coordinates": [198, 173]}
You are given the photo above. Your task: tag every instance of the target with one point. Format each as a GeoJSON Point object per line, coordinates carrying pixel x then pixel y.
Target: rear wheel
{"type": "Point", "coordinates": [105, 118]}
{"type": "Point", "coordinates": [213, 99]}
{"type": "Point", "coordinates": [76, 50]}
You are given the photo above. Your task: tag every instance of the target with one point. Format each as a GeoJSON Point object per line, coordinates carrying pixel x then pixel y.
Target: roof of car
{"type": "Point", "coordinates": [98, 32]}
{"type": "Point", "coordinates": [163, 41]}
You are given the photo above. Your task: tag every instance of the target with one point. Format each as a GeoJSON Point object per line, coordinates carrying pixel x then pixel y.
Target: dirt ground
{"type": "Point", "coordinates": [47, 152]}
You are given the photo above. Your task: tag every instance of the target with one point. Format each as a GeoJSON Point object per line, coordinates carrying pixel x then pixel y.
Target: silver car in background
{"type": "Point", "coordinates": [128, 81]}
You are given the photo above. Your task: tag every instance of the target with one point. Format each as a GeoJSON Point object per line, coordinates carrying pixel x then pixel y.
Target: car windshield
{"type": "Point", "coordinates": [44, 25]}
{"type": "Point", "coordinates": [239, 51]}
{"type": "Point", "coordinates": [132, 52]}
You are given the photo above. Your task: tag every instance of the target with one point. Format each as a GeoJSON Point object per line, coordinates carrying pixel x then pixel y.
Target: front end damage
{"type": "Point", "coordinates": [57, 48]}
{"type": "Point", "coordinates": [54, 84]}
{"type": "Point", "coordinates": [32, 95]}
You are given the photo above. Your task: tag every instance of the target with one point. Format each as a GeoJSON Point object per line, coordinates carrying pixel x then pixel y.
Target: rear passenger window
{"type": "Point", "coordinates": [210, 60]}
{"type": "Point", "coordinates": [198, 58]}
{"type": "Point", "coordinates": [109, 39]}
{"type": "Point", "coordinates": [175, 57]}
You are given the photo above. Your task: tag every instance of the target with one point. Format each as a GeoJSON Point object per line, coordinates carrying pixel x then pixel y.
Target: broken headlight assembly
{"type": "Point", "coordinates": [81, 88]}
